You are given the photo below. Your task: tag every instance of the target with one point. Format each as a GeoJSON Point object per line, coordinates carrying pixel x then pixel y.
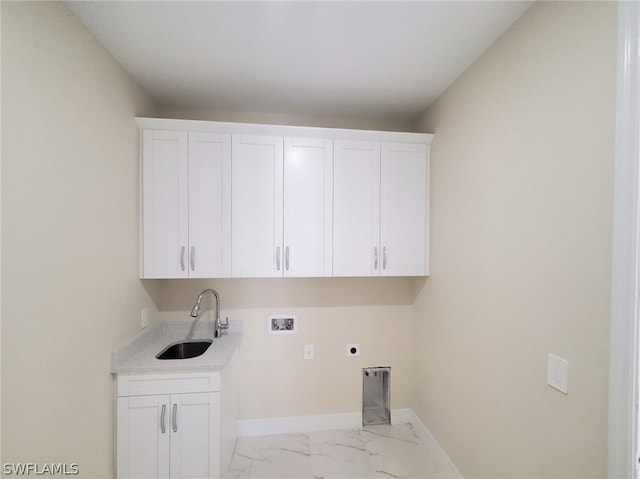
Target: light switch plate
{"type": "Point", "coordinates": [558, 373]}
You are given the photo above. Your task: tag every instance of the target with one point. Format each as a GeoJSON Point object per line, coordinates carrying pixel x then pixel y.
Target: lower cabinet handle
{"type": "Point", "coordinates": [175, 417]}
{"type": "Point", "coordinates": [162, 414]}
{"type": "Point", "coordinates": [182, 258]}
{"type": "Point", "coordinates": [192, 258]}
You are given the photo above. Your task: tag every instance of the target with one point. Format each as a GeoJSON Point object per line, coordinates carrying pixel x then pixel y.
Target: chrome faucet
{"type": "Point", "coordinates": [219, 326]}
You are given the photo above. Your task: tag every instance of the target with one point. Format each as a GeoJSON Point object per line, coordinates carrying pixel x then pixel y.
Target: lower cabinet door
{"type": "Point", "coordinates": [143, 438]}
{"type": "Point", "coordinates": [169, 436]}
{"type": "Point", "coordinates": [195, 435]}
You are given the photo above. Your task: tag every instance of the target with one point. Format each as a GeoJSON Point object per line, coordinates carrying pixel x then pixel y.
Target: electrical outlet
{"type": "Point", "coordinates": [353, 350]}
{"type": "Point", "coordinates": [144, 317]}
{"type": "Point", "coordinates": [309, 352]}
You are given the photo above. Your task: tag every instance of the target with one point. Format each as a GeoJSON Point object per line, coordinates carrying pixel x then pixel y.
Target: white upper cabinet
{"type": "Point", "coordinates": [256, 213]}
{"type": "Point", "coordinates": [185, 204]}
{"type": "Point", "coordinates": [380, 209]}
{"type": "Point", "coordinates": [209, 205]}
{"type": "Point", "coordinates": [403, 209]}
{"type": "Point", "coordinates": [165, 204]}
{"type": "Point", "coordinates": [252, 201]}
{"type": "Point", "coordinates": [308, 195]}
{"type": "Point", "coordinates": [356, 208]}
{"type": "Point", "coordinates": [281, 213]}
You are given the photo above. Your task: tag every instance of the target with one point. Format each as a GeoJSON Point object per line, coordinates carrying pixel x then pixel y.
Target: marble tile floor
{"type": "Point", "coordinates": [389, 451]}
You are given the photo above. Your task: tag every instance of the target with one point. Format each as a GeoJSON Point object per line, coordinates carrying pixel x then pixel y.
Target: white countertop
{"type": "Point", "coordinates": [139, 355]}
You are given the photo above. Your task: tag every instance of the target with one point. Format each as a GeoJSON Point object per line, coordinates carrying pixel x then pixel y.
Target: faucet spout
{"type": "Point", "coordinates": [219, 326]}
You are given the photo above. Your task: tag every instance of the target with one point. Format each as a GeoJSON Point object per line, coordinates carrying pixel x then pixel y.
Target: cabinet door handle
{"type": "Point", "coordinates": [286, 258]}
{"type": "Point", "coordinates": [384, 257]}
{"type": "Point", "coordinates": [278, 258]}
{"type": "Point", "coordinates": [182, 258]}
{"type": "Point", "coordinates": [174, 420]}
{"type": "Point", "coordinates": [162, 414]}
{"type": "Point", "coordinates": [192, 258]}
{"type": "Point", "coordinates": [375, 257]}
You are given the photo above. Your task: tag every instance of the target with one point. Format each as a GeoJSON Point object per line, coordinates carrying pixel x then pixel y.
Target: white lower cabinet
{"type": "Point", "coordinates": [170, 435]}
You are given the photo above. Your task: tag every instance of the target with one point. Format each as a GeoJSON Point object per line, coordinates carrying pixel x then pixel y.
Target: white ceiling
{"type": "Point", "coordinates": [380, 59]}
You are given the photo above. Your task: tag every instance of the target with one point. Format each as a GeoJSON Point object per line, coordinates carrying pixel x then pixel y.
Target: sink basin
{"type": "Point", "coordinates": [185, 349]}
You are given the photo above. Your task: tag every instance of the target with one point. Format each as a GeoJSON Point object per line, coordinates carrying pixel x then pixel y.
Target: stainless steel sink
{"type": "Point", "coordinates": [185, 349]}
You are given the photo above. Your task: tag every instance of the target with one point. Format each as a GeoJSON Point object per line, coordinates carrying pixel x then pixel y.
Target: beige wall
{"type": "Point", "coordinates": [278, 382]}
{"type": "Point", "coordinates": [522, 176]}
{"type": "Point", "coordinates": [285, 119]}
{"type": "Point", "coordinates": [70, 287]}
{"type": "Point", "coordinates": [332, 312]}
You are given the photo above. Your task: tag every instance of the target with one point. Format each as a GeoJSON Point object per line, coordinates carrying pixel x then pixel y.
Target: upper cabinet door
{"type": "Point", "coordinates": [403, 209]}
{"type": "Point", "coordinates": [209, 205]}
{"type": "Point", "coordinates": [186, 205]}
{"type": "Point", "coordinates": [356, 208]}
{"type": "Point", "coordinates": [165, 204]}
{"type": "Point", "coordinates": [256, 206]}
{"type": "Point", "coordinates": [308, 194]}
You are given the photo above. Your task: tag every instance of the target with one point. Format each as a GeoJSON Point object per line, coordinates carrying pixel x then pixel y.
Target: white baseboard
{"type": "Point", "coordinates": [327, 422]}
{"type": "Point", "coordinates": [298, 424]}
{"type": "Point", "coordinates": [322, 422]}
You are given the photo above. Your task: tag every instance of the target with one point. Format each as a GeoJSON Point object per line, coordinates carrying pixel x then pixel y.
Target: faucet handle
{"type": "Point", "coordinates": [223, 325]}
